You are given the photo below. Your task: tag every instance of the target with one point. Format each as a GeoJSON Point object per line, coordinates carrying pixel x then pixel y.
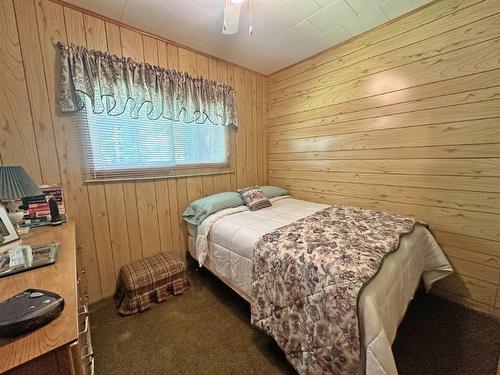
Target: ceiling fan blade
{"type": "Point", "coordinates": [231, 17]}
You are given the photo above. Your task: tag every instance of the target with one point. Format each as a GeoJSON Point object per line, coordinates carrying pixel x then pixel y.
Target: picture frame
{"type": "Point", "coordinates": [7, 231]}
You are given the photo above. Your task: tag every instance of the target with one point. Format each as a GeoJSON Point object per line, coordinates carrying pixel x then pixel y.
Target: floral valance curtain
{"type": "Point", "coordinates": [114, 84]}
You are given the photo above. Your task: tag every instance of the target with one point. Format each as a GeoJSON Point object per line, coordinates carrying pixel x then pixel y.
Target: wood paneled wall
{"type": "Point", "coordinates": [405, 118]}
{"type": "Point", "coordinates": [116, 222]}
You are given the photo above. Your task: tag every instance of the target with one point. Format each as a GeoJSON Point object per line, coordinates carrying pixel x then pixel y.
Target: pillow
{"type": "Point", "coordinates": [254, 198]}
{"type": "Point", "coordinates": [273, 191]}
{"type": "Point", "coordinates": [198, 210]}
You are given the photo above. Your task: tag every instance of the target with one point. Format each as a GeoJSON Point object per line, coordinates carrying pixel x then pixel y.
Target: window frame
{"type": "Point", "coordinates": [92, 174]}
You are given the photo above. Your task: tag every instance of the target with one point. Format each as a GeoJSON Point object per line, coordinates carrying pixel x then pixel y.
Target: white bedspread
{"type": "Point", "coordinates": [225, 243]}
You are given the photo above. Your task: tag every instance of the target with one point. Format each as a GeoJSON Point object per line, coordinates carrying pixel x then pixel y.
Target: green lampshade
{"type": "Point", "coordinates": [15, 183]}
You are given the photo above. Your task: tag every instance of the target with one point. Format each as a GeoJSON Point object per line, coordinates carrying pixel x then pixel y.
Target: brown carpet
{"type": "Point", "coordinates": [207, 331]}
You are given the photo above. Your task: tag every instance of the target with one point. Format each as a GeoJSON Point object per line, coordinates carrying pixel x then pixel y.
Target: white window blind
{"type": "Point", "coordinates": [121, 147]}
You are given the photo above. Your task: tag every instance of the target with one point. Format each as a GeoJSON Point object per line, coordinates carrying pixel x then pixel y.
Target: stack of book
{"type": "Point", "coordinates": [36, 208]}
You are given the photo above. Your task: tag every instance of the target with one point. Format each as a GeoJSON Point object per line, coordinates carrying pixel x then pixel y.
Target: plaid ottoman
{"type": "Point", "coordinates": [150, 279]}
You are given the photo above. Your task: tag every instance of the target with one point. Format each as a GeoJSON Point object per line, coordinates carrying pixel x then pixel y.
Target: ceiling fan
{"type": "Point", "coordinates": [232, 10]}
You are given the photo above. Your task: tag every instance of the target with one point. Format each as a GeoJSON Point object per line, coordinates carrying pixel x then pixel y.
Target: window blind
{"type": "Point", "coordinates": [121, 147]}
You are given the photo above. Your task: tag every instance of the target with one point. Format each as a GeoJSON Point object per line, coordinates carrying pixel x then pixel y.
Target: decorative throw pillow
{"type": "Point", "coordinates": [254, 198]}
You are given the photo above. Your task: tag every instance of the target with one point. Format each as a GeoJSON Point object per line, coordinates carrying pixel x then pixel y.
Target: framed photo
{"type": "Point", "coordinates": [7, 231]}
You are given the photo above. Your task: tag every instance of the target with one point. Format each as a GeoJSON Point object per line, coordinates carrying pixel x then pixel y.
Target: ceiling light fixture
{"type": "Point", "coordinates": [232, 10]}
{"type": "Point", "coordinates": [250, 29]}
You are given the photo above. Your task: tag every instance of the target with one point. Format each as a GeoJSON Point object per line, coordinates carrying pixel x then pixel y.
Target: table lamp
{"type": "Point", "coordinates": [14, 185]}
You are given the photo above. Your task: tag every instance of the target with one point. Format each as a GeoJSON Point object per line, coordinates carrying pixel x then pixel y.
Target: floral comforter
{"type": "Point", "coordinates": [307, 278]}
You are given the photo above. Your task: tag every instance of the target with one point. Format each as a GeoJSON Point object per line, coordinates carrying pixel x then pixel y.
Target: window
{"type": "Point", "coordinates": [121, 147]}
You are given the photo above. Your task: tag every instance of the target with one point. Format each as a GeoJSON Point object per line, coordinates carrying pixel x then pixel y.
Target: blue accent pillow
{"type": "Point", "coordinates": [273, 191]}
{"type": "Point", "coordinates": [198, 210]}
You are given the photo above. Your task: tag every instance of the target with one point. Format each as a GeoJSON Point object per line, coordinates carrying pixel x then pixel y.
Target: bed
{"type": "Point", "coordinates": [225, 241]}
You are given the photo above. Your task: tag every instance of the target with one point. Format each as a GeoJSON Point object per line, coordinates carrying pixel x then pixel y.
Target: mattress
{"type": "Point", "coordinates": [225, 242]}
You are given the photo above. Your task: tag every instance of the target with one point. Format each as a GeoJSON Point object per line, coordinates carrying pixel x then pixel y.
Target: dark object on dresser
{"type": "Point", "coordinates": [28, 310]}
{"type": "Point", "coordinates": [55, 216]}
{"type": "Point", "coordinates": [150, 279]}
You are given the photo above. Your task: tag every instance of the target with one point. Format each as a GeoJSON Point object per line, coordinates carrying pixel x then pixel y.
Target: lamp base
{"type": "Point", "coordinates": [15, 214]}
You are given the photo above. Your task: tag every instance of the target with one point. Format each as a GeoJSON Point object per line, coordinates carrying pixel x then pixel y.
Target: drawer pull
{"type": "Point", "coordinates": [84, 300]}
{"type": "Point", "coordinates": [89, 352]}
{"type": "Point", "coordinates": [85, 327]}
{"type": "Point", "coordinates": [80, 275]}
{"type": "Point", "coordinates": [92, 366]}
{"type": "Point", "coordinates": [83, 310]}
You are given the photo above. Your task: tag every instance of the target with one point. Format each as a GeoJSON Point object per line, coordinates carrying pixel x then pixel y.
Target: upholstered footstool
{"type": "Point", "coordinates": [150, 279]}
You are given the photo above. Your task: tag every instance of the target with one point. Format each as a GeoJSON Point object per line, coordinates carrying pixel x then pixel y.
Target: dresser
{"type": "Point", "coordinates": [63, 346]}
